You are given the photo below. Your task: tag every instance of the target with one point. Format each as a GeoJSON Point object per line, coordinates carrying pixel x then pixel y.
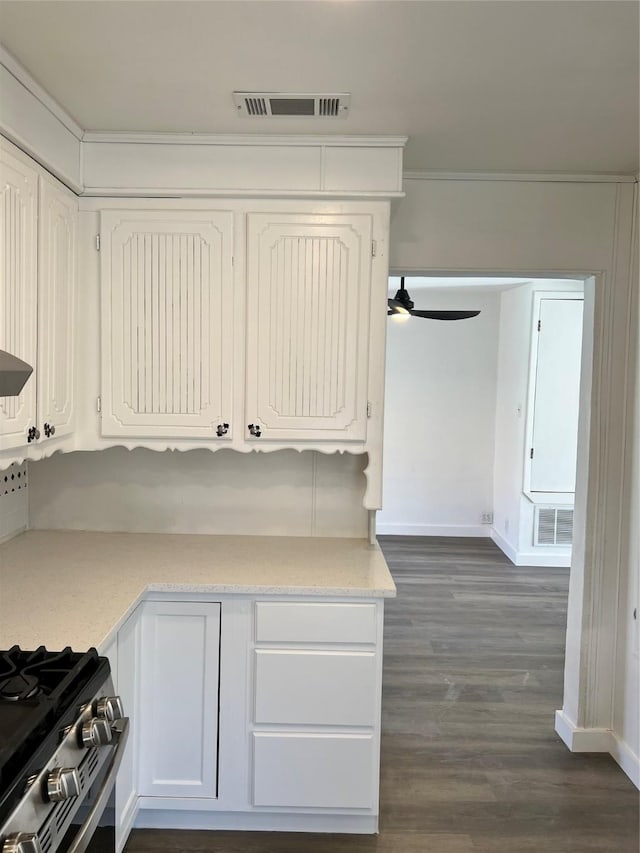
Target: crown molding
{"type": "Point", "coordinates": [250, 139]}
{"type": "Point", "coordinates": [25, 79]}
{"type": "Point", "coordinates": [542, 177]}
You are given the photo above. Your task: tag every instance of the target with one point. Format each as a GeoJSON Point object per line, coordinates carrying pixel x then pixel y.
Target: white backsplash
{"type": "Point", "coordinates": [284, 493]}
{"type": "Point", "coordinates": [14, 501]}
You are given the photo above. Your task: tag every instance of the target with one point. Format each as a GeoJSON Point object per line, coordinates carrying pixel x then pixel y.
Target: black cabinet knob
{"type": "Point", "coordinates": [49, 430]}
{"type": "Point", "coordinates": [222, 429]}
{"type": "Point", "coordinates": [255, 430]}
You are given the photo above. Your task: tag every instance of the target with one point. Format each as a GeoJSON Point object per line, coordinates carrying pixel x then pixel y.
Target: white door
{"type": "Point", "coordinates": [18, 290]}
{"type": "Point", "coordinates": [178, 710]}
{"type": "Point", "coordinates": [58, 229]}
{"type": "Point", "coordinates": [557, 396]}
{"type": "Point", "coordinates": [308, 282]}
{"type": "Point", "coordinates": [167, 341]}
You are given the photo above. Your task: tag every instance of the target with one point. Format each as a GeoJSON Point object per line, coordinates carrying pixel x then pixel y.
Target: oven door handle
{"type": "Point", "coordinates": [80, 843]}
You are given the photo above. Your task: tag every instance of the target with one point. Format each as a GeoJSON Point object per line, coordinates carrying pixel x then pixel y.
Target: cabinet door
{"type": "Point", "coordinates": [56, 306]}
{"type": "Point", "coordinates": [178, 721]}
{"type": "Point", "coordinates": [18, 297]}
{"type": "Point", "coordinates": [308, 280]}
{"type": "Point", "coordinates": [167, 341]}
{"type": "Point", "coordinates": [557, 396]}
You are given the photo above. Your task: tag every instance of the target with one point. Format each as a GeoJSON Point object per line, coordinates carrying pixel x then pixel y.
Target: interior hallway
{"type": "Point", "coordinates": [470, 761]}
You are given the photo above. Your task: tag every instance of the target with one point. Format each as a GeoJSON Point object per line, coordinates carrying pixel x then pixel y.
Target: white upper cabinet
{"type": "Point", "coordinates": [18, 289]}
{"type": "Point", "coordinates": [308, 287]}
{"type": "Point", "coordinates": [58, 227]}
{"type": "Point", "coordinates": [167, 345]}
{"type": "Point", "coordinates": [38, 242]}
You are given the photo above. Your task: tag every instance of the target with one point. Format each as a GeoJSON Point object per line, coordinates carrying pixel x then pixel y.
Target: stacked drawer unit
{"type": "Point", "coordinates": [317, 675]}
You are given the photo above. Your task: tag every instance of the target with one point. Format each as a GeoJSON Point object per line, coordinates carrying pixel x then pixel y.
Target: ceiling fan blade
{"type": "Point", "coordinates": [443, 315]}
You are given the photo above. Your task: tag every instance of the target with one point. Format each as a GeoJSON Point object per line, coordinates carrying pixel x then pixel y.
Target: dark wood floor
{"type": "Point", "coordinates": [470, 760]}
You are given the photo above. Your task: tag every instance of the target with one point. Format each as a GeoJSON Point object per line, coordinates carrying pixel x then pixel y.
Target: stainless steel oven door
{"type": "Point", "coordinates": [90, 837]}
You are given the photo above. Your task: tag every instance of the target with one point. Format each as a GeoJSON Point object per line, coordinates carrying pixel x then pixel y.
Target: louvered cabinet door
{"type": "Point", "coordinates": [58, 209]}
{"type": "Point", "coordinates": [166, 281]}
{"type": "Point", "coordinates": [308, 282]}
{"type": "Point", "coordinates": [18, 289]}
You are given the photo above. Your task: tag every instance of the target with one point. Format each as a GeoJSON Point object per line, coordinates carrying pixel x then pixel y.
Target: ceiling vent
{"type": "Point", "coordinates": [291, 105]}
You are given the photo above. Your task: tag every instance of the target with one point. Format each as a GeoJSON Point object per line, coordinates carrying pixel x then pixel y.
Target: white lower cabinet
{"type": "Point", "coordinates": [179, 667]}
{"type": "Point", "coordinates": [251, 713]}
{"type": "Point", "coordinates": [316, 706]}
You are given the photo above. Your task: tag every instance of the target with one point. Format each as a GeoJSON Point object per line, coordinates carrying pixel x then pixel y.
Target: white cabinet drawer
{"type": "Point", "coordinates": [308, 622]}
{"type": "Point", "coordinates": [321, 771]}
{"type": "Point", "coordinates": [315, 688]}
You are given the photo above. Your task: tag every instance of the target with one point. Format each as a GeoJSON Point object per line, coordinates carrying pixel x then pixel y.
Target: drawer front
{"type": "Point", "coordinates": [307, 622]}
{"type": "Point", "coordinates": [315, 688]}
{"type": "Point", "coordinates": [323, 771]}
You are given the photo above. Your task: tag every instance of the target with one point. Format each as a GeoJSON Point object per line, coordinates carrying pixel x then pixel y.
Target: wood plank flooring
{"type": "Point", "coordinates": [470, 762]}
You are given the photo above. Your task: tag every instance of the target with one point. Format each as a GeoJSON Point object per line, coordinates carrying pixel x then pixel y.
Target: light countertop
{"type": "Point", "coordinates": [65, 588]}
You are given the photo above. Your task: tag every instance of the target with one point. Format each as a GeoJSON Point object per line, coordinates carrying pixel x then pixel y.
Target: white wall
{"type": "Point", "coordinates": [626, 716]}
{"type": "Point", "coordinates": [284, 493]}
{"type": "Point", "coordinates": [558, 228]}
{"type": "Point", "coordinates": [439, 416]}
{"type": "Point", "coordinates": [511, 409]}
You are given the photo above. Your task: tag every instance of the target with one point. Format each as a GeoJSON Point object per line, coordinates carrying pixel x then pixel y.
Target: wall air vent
{"type": "Point", "coordinates": [291, 105]}
{"type": "Point", "coordinates": [553, 525]}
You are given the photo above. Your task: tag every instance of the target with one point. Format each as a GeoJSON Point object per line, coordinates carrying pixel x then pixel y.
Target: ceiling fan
{"type": "Point", "coordinates": [402, 304]}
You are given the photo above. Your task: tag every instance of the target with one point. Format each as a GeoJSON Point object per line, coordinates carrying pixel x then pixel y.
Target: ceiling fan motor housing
{"type": "Point", "coordinates": [402, 296]}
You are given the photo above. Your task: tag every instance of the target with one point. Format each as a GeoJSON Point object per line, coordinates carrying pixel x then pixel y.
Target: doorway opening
{"type": "Point", "coordinates": [467, 402]}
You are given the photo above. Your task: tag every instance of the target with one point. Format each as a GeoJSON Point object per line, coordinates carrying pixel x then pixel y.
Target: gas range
{"type": "Point", "coordinates": [62, 733]}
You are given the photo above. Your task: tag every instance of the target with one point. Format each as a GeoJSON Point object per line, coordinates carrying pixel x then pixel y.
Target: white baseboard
{"type": "Point", "coordinates": [627, 759]}
{"type": "Point", "coordinates": [531, 558]}
{"type": "Point", "coordinates": [504, 546]}
{"type": "Point", "coordinates": [599, 740]}
{"type": "Point", "coordinates": [391, 529]}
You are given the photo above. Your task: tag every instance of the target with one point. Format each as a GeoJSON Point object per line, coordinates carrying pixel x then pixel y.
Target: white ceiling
{"type": "Point", "coordinates": [477, 85]}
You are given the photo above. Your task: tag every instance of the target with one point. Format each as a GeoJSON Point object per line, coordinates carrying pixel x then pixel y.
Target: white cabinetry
{"type": "Point", "coordinates": [38, 238]}
{"type": "Point", "coordinates": [316, 719]}
{"type": "Point", "coordinates": [236, 327]}
{"type": "Point", "coordinates": [308, 284]}
{"type": "Point", "coordinates": [126, 683]}
{"type": "Point", "coordinates": [58, 228]}
{"type": "Point", "coordinates": [18, 288]}
{"type": "Point", "coordinates": [178, 676]}
{"type": "Point", "coordinates": [167, 338]}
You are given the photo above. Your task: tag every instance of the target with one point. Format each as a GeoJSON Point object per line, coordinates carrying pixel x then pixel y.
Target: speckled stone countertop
{"type": "Point", "coordinates": [65, 588]}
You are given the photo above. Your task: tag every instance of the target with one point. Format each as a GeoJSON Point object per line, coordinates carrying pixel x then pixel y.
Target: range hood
{"type": "Point", "coordinates": [13, 374]}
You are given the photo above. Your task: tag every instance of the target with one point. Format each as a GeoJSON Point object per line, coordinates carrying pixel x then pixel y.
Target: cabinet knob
{"type": "Point", "coordinates": [49, 430]}
{"type": "Point", "coordinates": [222, 429]}
{"type": "Point", "coordinates": [33, 434]}
{"type": "Point", "coordinates": [255, 430]}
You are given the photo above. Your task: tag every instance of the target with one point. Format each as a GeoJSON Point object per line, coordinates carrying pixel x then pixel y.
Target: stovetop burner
{"type": "Point", "coordinates": [18, 687]}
